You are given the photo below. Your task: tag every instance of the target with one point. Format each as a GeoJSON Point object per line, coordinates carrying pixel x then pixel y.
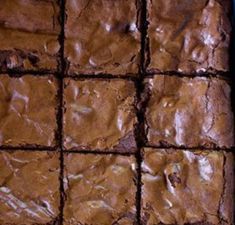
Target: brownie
{"type": "Point", "coordinates": [184, 187]}
{"type": "Point", "coordinates": [189, 112]}
{"type": "Point", "coordinates": [188, 36]}
{"type": "Point", "coordinates": [99, 115]}
{"type": "Point", "coordinates": [29, 32]}
{"type": "Point", "coordinates": [28, 110]}
{"type": "Point", "coordinates": [29, 187]}
{"type": "Point", "coordinates": [102, 36]}
{"type": "Point", "coordinates": [99, 189]}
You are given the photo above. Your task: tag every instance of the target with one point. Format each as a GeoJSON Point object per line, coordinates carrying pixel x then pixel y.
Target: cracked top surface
{"type": "Point", "coordinates": [28, 34]}
{"type": "Point", "coordinates": [100, 189]}
{"type": "Point", "coordinates": [188, 36]}
{"type": "Point", "coordinates": [181, 187]}
{"type": "Point", "coordinates": [189, 112]}
{"type": "Point", "coordinates": [102, 36]}
{"type": "Point", "coordinates": [99, 114]}
{"type": "Point", "coordinates": [28, 110]}
{"type": "Point", "coordinates": [29, 187]}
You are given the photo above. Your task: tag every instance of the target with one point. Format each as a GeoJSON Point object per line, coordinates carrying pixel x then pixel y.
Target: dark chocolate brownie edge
{"type": "Point", "coordinates": [226, 209]}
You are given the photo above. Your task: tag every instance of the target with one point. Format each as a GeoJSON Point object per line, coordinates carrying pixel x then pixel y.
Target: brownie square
{"type": "Point", "coordinates": [29, 31]}
{"type": "Point", "coordinates": [188, 36]}
{"type": "Point", "coordinates": [99, 189]}
{"type": "Point", "coordinates": [102, 36]}
{"type": "Point", "coordinates": [28, 110]}
{"type": "Point", "coordinates": [29, 190]}
{"type": "Point", "coordinates": [189, 112]}
{"type": "Point", "coordinates": [99, 115]}
{"type": "Point", "coordinates": [183, 187]}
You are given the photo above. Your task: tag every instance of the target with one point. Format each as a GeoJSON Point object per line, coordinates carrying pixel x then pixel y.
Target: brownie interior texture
{"type": "Point", "coordinates": [116, 112]}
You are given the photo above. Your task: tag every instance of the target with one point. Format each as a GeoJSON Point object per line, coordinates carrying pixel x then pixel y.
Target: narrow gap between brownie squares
{"type": "Point", "coordinates": [16, 73]}
{"type": "Point", "coordinates": [217, 74]}
{"type": "Point", "coordinates": [100, 77]}
{"type": "Point", "coordinates": [61, 104]}
{"type": "Point", "coordinates": [184, 148]}
{"type": "Point", "coordinates": [28, 148]}
{"type": "Point", "coordinates": [139, 128]}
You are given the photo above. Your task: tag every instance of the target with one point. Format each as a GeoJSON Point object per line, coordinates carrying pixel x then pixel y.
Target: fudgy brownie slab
{"type": "Point", "coordinates": [99, 189]}
{"type": "Point", "coordinates": [188, 36]}
{"type": "Point", "coordinates": [102, 36]}
{"type": "Point", "coordinates": [29, 187]}
{"type": "Point", "coordinates": [183, 187]}
{"type": "Point", "coordinates": [28, 107]}
{"type": "Point", "coordinates": [28, 35]}
{"type": "Point", "coordinates": [99, 115]}
{"type": "Point", "coordinates": [189, 112]}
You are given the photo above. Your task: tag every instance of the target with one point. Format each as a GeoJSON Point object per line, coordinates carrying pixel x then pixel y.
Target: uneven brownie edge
{"type": "Point", "coordinates": [226, 209]}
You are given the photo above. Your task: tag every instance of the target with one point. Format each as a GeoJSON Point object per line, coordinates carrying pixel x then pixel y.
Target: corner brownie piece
{"type": "Point", "coordinates": [28, 35]}
{"type": "Point", "coordinates": [183, 187]}
{"type": "Point", "coordinates": [28, 110]}
{"type": "Point", "coordinates": [188, 36]}
{"type": "Point", "coordinates": [188, 112]}
{"type": "Point", "coordinates": [99, 189]}
{"type": "Point", "coordinates": [29, 187]}
{"type": "Point", "coordinates": [102, 36]}
{"type": "Point", "coordinates": [99, 115]}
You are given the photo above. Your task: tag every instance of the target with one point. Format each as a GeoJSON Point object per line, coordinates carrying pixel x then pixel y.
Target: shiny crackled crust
{"type": "Point", "coordinates": [29, 187]}
{"type": "Point", "coordinates": [29, 35]}
{"type": "Point", "coordinates": [99, 115]}
{"type": "Point", "coordinates": [188, 112]}
{"type": "Point", "coordinates": [183, 187]}
{"type": "Point", "coordinates": [28, 110]}
{"type": "Point", "coordinates": [102, 36]}
{"type": "Point", "coordinates": [99, 189]}
{"type": "Point", "coordinates": [188, 38]}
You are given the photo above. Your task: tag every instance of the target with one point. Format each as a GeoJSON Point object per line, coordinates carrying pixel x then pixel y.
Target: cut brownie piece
{"type": "Point", "coordinates": [99, 189]}
{"type": "Point", "coordinates": [28, 35]}
{"type": "Point", "coordinates": [188, 36]}
{"type": "Point", "coordinates": [99, 115]}
{"type": "Point", "coordinates": [183, 187]}
{"type": "Point", "coordinates": [29, 187]}
{"type": "Point", "coordinates": [102, 36]}
{"type": "Point", "coordinates": [188, 112]}
{"type": "Point", "coordinates": [28, 110]}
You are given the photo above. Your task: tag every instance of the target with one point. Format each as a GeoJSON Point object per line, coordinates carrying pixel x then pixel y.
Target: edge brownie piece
{"type": "Point", "coordinates": [102, 36]}
{"type": "Point", "coordinates": [183, 187]}
{"type": "Point", "coordinates": [189, 112]}
{"type": "Point", "coordinates": [29, 31]}
{"type": "Point", "coordinates": [29, 187]}
{"type": "Point", "coordinates": [188, 36]}
{"type": "Point", "coordinates": [99, 189]}
{"type": "Point", "coordinates": [99, 114]}
{"type": "Point", "coordinates": [28, 108]}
